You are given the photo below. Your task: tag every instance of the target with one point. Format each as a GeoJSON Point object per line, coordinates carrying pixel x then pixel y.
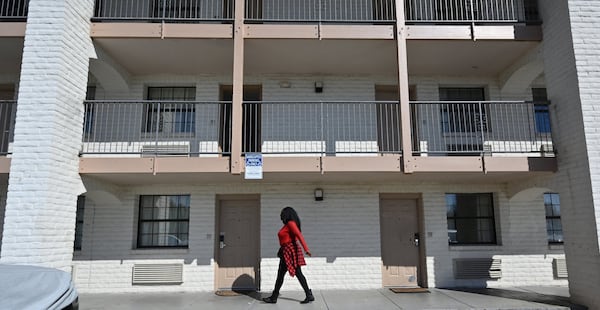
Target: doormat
{"type": "Point", "coordinates": [409, 290]}
{"type": "Point", "coordinates": [227, 293]}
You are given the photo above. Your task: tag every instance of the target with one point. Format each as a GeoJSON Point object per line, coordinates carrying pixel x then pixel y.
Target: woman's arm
{"type": "Point", "coordinates": [298, 234]}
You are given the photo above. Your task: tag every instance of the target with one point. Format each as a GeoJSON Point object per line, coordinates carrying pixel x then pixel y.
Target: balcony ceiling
{"type": "Point", "coordinates": [11, 53]}
{"type": "Point", "coordinates": [464, 57]}
{"type": "Point", "coordinates": [321, 56]}
{"type": "Point", "coordinates": [308, 56]}
{"type": "Point", "coordinates": [170, 56]}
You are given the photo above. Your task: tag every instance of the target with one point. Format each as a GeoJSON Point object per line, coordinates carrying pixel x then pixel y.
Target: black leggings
{"type": "Point", "coordinates": [281, 273]}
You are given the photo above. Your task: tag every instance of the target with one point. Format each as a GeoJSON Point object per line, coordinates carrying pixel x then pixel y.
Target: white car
{"type": "Point", "coordinates": [32, 287]}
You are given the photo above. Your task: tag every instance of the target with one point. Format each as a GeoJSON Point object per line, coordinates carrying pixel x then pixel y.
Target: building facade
{"type": "Point", "coordinates": [423, 143]}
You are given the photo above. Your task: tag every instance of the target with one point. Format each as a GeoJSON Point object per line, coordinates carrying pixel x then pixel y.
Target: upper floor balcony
{"type": "Point", "coordinates": [373, 19]}
{"type": "Point", "coordinates": [318, 11]}
{"type": "Point", "coordinates": [321, 137]}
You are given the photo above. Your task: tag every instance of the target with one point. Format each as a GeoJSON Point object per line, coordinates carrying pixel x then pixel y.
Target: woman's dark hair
{"type": "Point", "coordinates": [289, 214]}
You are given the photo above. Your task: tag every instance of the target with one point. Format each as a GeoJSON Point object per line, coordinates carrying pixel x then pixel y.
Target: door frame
{"type": "Point", "coordinates": [216, 253]}
{"type": "Point", "coordinates": [422, 264]}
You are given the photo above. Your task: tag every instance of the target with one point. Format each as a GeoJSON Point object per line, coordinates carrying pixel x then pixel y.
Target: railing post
{"type": "Point", "coordinates": [482, 139]}
{"type": "Point", "coordinates": [472, 17]}
{"type": "Point", "coordinates": [157, 128]}
{"type": "Point", "coordinates": [322, 130]}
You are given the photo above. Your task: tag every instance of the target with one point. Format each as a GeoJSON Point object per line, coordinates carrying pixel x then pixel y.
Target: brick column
{"type": "Point", "coordinates": [44, 181]}
{"type": "Point", "coordinates": [571, 49]}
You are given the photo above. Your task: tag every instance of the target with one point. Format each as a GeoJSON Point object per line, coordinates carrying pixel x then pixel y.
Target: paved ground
{"type": "Point", "coordinates": [514, 298]}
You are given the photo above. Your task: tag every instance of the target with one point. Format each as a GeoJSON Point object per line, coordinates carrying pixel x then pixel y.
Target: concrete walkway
{"type": "Point", "coordinates": [381, 299]}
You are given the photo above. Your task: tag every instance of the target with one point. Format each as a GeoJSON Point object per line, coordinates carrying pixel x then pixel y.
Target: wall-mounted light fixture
{"type": "Point", "coordinates": [318, 194]}
{"type": "Point", "coordinates": [318, 87]}
{"type": "Point", "coordinates": [285, 84]}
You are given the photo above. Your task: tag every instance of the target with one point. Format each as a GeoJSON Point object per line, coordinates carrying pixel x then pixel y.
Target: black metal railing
{"type": "Point", "coordinates": [474, 128]}
{"type": "Point", "coordinates": [164, 10]}
{"type": "Point", "coordinates": [470, 11]}
{"type": "Point", "coordinates": [8, 110]}
{"type": "Point", "coordinates": [13, 9]}
{"type": "Point", "coordinates": [320, 128]}
{"type": "Point", "coordinates": [157, 128]}
{"type": "Point", "coordinates": [327, 11]}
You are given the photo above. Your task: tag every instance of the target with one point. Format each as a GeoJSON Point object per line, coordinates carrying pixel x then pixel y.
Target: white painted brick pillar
{"type": "Point", "coordinates": [571, 51]}
{"type": "Point", "coordinates": [44, 181]}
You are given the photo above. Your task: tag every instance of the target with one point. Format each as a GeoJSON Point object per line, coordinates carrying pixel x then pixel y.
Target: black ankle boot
{"type": "Point", "coordinates": [309, 297]}
{"type": "Point", "coordinates": [271, 299]}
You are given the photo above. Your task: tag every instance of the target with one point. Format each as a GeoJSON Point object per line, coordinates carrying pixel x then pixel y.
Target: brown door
{"type": "Point", "coordinates": [238, 244]}
{"type": "Point", "coordinates": [399, 250]}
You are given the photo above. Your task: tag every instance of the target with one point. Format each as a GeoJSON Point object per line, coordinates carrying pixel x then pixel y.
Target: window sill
{"type": "Point", "coordinates": [474, 247]}
{"type": "Point", "coordinates": [152, 251]}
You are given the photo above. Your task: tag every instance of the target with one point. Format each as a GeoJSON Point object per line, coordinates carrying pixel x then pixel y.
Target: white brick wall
{"type": "Point", "coordinates": [40, 208]}
{"type": "Point", "coordinates": [570, 50]}
{"type": "Point", "coordinates": [342, 232]}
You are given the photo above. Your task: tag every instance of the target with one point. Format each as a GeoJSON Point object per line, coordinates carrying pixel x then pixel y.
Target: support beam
{"type": "Point", "coordinates": [238, 89]}
{"type": "Point", "coordinates": [403, 88]}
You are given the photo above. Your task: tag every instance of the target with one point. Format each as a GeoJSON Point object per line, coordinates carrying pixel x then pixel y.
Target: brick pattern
{"type": "Point", "coordinates": [40, 208]}
{"type": "Point", "coordinates": [570, 51]}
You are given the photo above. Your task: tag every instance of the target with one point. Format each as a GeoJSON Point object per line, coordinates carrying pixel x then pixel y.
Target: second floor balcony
{"type": "Point", "coordinates": [310, 137]}
{"type": "Point", "coordinates": [323, 128]}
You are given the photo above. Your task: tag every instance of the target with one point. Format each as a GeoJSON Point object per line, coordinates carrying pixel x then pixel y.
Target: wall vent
{"type": "Point", "coordinates": [560, 268]}
{"type": "Point", "coordinates": [477, 268]}
{"type": "Point", "coordinates": [157, 274]}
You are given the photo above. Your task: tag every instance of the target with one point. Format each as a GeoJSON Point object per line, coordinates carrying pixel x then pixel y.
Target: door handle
{"type": "Point", "coordinates": [222, 240]}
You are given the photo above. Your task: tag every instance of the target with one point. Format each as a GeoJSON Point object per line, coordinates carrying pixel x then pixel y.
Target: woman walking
{"type": "Point", "coordinates": [290, 254]}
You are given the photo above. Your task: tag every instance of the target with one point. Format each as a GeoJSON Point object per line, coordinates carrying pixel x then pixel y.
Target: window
{"type": "Point", "coordinates": [470, 219]}
{"type": "Point", "coordinates": [542, 112]}
{"type": "Point", "coordinates": [463, 116]}
{"type": "Point", "coordinates": [170, 114]}
{"type": "Point", "coordinates": [553, 224]}
{"type": "Point", "coordinates": [163, 221]}
{"type": "Point", "coordinates": [79, 222]}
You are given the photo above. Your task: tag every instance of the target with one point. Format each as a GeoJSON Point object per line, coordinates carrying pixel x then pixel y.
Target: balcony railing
{"type": "Point", "coordinates": [13, 9]}
{"type": "Point", "coordinates": [471, 128]}
{"type": "Point", "coordinates": [331, 128]}
{"type": "Point", "coordinates": [471, 11]}
{"type": "Point", "coordinates": [328, 11]}
{"type": "Point", "coordinates": [324, 128]}
{"type": "Point", "coordinates": [164, 10]}
{"type": "Point", "coordinates": [322, 11]}
{"type": "Point", "coordinates": [153, 128]}
{"type": "Point", "coordinates": [7, 125]}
